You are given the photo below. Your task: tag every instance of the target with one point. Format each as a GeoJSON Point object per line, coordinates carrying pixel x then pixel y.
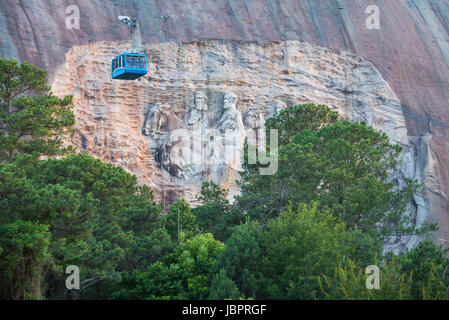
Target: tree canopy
{"type": "Point", "coordinates": [32, 120]}
{"type": "Point", "coordinates": [344, 166]}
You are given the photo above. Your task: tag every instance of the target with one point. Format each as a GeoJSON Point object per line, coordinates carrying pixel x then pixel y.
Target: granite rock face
{"type": "Point", "coordinates": [185, 122]}
{"type": "Point", "coordinates": [410, 52]}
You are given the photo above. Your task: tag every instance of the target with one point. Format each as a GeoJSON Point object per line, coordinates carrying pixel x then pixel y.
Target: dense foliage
{"type": "Point", "coordinates": [309, 231]}
{"type": "Point", "coordinates": [32, 120]}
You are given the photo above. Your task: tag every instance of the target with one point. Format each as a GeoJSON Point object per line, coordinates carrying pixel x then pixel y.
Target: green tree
{"type": "Point", "coordinates": [32, 120]}
{"type": "Point", "coordinates": [356, 161]}
{"type": "Point", "coordinates": [429, 266]}
{"type": "Point", "coordinates": [23, 255]}
{"type": "Point", "coordinates": [181, 220]}
{"type": "Point", "coordinates": [183, 274]}
{"type": "Point", "coordinates": [349, 282]}
{"type": "Point", "coordinates": [345, 166]}
{"type": "Point", "coordinates": [299, 247]}
{"type": "Point", "coordinates": [98, 217]}
{"type": "Point", "coordinates": [293, 120]}
{"type": "Point", "coordinates": [223, 288]}
{"type": "Point", "coordinates": [215, 214]}
{"type": "Point", "coordinates": [241, 258]}
{"type": "Point", "coordinates": [362, 248]}
{"type": "Point", "coordinates": [264, 197]}
{"type": "Point", "coordinates": [421, 273]}
{"type": "Point", "coordinates": [436, 285]}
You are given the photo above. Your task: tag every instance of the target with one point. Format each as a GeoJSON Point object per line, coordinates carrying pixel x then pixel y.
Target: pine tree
{"type": "Point", "coordinates": [223, 288]}
{"type": "Point", "coordinates": [31, 118]}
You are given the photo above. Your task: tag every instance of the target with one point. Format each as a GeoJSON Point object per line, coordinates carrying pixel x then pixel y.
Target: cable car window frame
{"type": "Point", "coordinates": [130, 62]}
{"type": "Point", "coordinates": [129, 66]}
{"type": "Point", "coordinates": [135, 61]}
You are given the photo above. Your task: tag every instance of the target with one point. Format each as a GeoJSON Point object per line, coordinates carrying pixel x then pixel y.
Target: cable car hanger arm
{"type": "Point", "coordinates": [134, 25]}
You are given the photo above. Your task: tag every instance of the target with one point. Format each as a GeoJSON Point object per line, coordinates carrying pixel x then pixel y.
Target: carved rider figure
{"type": "Point", "coordinates": [197, 119]}
{"type": "Point", "coordinates": [233, 135]}
{"type": "Point", "coordinates": [231, 119]}
{"type": "Point", "coordinates": [254, 119]}
{"type": "Point", "coordinates": [156, 120]}
{"type": "Point", "coordinates": [255, 122]}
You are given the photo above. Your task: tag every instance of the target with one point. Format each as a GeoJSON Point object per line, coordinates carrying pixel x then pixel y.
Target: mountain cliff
{"type": "Point", "coordinates": [385, 73]}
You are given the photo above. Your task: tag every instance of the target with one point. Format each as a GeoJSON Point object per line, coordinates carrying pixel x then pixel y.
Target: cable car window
{"type": "Point", "coordinates": [135, 62]}
{"type": "Point", "coordinates": [130, 62]}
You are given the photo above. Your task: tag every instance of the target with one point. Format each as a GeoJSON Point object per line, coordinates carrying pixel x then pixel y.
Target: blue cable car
{"type": "Point", "coordinates": [129, 66]}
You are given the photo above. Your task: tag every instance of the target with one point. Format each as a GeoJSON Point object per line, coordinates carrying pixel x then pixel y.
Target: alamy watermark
{"type": "Point", "coordinates": [373, 19]}
{"type": "Point", "coordinates": [73, 280]}
{"type": "Point", "coordinates": [373, 280]}
{"type": "Point", "coordinates": [259, 153]}
{"type": "Point", "coordinates": [73, 19]}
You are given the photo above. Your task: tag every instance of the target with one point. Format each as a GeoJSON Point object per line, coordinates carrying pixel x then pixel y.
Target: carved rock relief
{"type": "Point", "coordinates": [197, 146]}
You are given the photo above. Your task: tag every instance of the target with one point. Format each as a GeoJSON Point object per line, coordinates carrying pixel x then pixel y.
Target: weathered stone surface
{"type": "Point", "coordinates": [149, 126]}
{"type": "Point", "coordinates": [410, 50]}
